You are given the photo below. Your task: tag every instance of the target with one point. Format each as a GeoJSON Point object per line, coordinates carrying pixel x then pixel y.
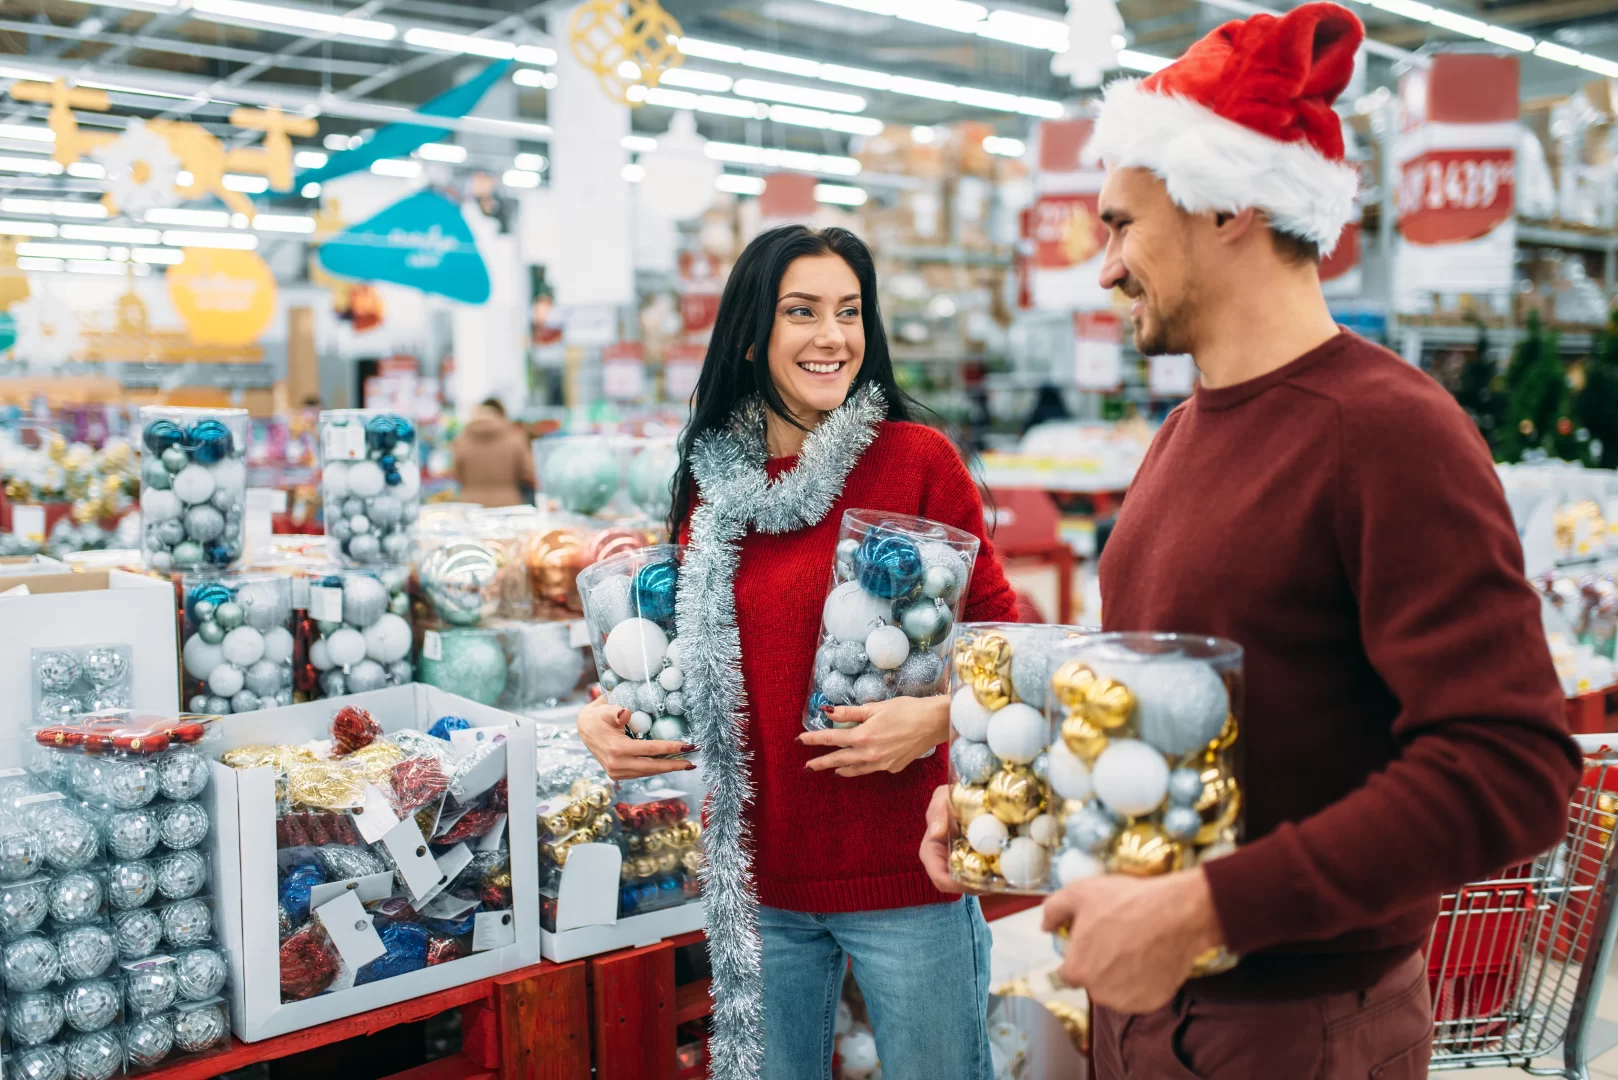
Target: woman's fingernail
{"type": "Point", "coordinates": [827, 709]}
{"type": "Point", "coordinates": [686, 748]}
{"type": "Point", "coordinates": [623, 714]}
{"type": "Point", "coordinates": [690, 765]}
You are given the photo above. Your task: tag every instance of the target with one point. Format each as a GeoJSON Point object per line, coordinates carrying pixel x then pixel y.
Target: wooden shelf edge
{"type": "Point", "coordinates": [692, 1001]}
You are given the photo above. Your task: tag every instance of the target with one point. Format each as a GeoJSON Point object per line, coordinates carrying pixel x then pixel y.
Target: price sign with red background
{"type": "Point", "coordinates": [1446, 196]}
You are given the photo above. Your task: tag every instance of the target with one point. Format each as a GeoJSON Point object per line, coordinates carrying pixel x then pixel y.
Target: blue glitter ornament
{"type": "Point", "coordinates": [818, 704]}
{"type": "Point", "coordinates": [210, 441]}
{"type": "Point", "coordinates": [218, 554]}
{"type": "Point", "coordinates": [668, 885]}
{"type": "Point", "coordinates": [296, 887]}
{"type": "Point", "coordinates": [403, 428]}
{"type": "Point", "coordinates": [407, 951]}
{"type": "Point", "coordinates": [654, 590]}
{"type": "Point", "coordinates": [160, 435]}
{"type": "Point", "coordinates": [211, 592]}
{"type": "Point", "coordinates": [446, 724]}
{"type": "Point", "coordinates": [380, 433]}
{"type": "Point", "coordinates": [645, 893]}
{"type": "Point", "coordinates": [888, 564]}
{"type": "Point", "coordinates": [331, 581]}
{"type": "Point", "coordinates": [388, 462]}
{"type": "Point", "coordinates": [392, 478]}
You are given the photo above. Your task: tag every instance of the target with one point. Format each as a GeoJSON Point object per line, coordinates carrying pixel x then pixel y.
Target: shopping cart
{"type": "Point", "coordinates": [1516, 962]}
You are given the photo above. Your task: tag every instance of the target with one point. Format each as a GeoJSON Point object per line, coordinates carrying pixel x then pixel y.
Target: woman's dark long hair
{"type": "Point", "coordinates": [745, 319]}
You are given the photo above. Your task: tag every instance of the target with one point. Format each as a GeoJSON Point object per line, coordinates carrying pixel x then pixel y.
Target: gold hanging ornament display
{"type": "Point", "coordinates": [627, 44]}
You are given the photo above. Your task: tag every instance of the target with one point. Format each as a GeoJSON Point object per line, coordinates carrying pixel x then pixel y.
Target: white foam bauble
{"type": "Point", "coordinates": [409, 479]}
{"type": "Point", "coordinates": [671, 678]}
{"type": "Point", "coordinates": [968, 716]}
{"type": "Point", "coordinates": [387, 640]}
{"type": "Point", "coordinates": [1024, 864]}
{"type": "Point", "coordinates": [193, 484]}
{"type": "Point", "coordinates": [278, 645]}
{"type": "Point", "coordinates": [225, 680]}
{"type": "Point", "coordinates": [635, 649]}
{"type": "Point", "coordinates": [1130, 777]}
{"type": "Point", "coordinates": [640, 723]}
{"type": "Point", "coordinates": [1017, 733]}
{"type": "Point", "coordinates": [243, 646]}
{"type": "Point", "coordinates": [319, 656]}
{"type": "Point", "coordinates": [1069, 776]}
{"type": "Point", "coordinates": [200, 657]}
{"type": "Point", "coordinates": [1075, 865]}
{"type": "Point", "coordinates": [857, 1051]}
{"type": "Point", "coordinates": [334, 480]}
{"type": "Point", "coordinates": [345, 646]}
{"type": "Point", "coordinates": [851, 613]}
{"type": "Point", "coordinates": [229, 474]}
{"type": "Point", "coordinates": [987, 834]}
{"type": "Point", "coordinates": [159, 504]}
{"type": "Point", "coordinates": [1044, 829]}
{"type": "Point", "coordinates": [365, 479]}
{"type": "Point", "coordinates": [887, 647]}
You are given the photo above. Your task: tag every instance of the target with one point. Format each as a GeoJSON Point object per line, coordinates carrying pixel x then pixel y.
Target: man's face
{"type": "Point", "coordinates": [1150, 257]}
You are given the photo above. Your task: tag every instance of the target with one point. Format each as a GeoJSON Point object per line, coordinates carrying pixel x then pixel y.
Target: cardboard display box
{"type": "Point", "coordinates": [245, 860]}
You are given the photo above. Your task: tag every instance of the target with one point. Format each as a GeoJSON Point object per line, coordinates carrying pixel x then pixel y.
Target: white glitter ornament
{"type": "Point", "coordinates": [91, 1006]}
{"type": "Point", "coordinates": [365, 676]}
{"type": "Point", "coordinates": [278, 645]}
{"type": "Point", "coordinates": [610, 602]}
{"type": "Point", "coordinates": [1025, 864]}
{"type": "Point", "coordinates": [345, 647]}
{"type": "Point", "coordinates": [201, 658]}
{"type": "Point", "coordinates": [131, 885]}
{"type": "Point", "coordinates": [887, 647]}
{"type": "Point", "coordinates": [30, 963]}
{"type": "Point", "coordinates": [226, 681]}
{"type": "Point", "coordinates": [193, 484]}
{"type": "Point", "coordinates": [1181, 822]}
{"type": "Point", "coordinates": [1068, 776]}
{"type": "Point", "coordinates": [387, 641]}
{"type": "Point", "coordinates": [181, 875]}
{"type": "Point", "coordinates": [987, 834]}
{"type": "Point", "coordinates": [549, 668]}
{"type": "Point", "coordinates": [86, 951]}
{"type": "Point", "coordinates": [34, 1018]}
{"type": "Point", "coordinates": [263, 678]}
{"type": "Point", "coordinates": [1131, 777]}
{"type": "Point", "coordinates": [132, 834]}
{"type": "Point", "coordinates": [1017, 733]}
{"type": "Point", "coordinates": [635, 649]}
{"type": "Point", "coordinates": [871, 688]}
{"type": "Point", "coordinates": [158, 505]}
{"type": "Point", "coordinates": [851, 613]}
{"type": "Point", "coordinates": [968, 716]}
{"type": "Point", "coordinates": [1030, 668]}
{"type": "Point", "coordinates": [139, 932]}
{"type": "Point", "coordinates": [1075, 865]}
{"type": "Point", "coordinates": [365, 479]}
{"type": "Point", "coordinates": [265, 604]}
{"type": "Point", "coordinates": [75, 897]}
{"type": "Point", "coordinates": [187, 923]}
{"type": "Point", "coordinates": [921, 675]}
{"type": "Point", "coordinates": [230, 474]}
{"type": "Point", "coordinates": [243, 647]}
{"type": "Point", "coordinates": [364, 600]}
{"type": "Point", "coordinates": [202, 974]}
{"type": "Point", "coordinates": [196, 1030]}
{"type": "Point", "coordinates": [95, 1056]}
{"type": "Point", "coordinates": [147, 1042]}
{"type": "Point", "coordinates": [1180, 705]}
{"type": "Point", "coordinates": [972, 761]}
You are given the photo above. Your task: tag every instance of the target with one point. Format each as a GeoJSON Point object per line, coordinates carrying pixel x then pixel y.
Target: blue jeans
{"type": "Point", "coordinates": [924, 972]}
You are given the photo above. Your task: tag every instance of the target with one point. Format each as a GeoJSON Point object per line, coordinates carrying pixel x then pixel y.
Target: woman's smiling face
{"type": "Point", "coordinates": [818, 339]}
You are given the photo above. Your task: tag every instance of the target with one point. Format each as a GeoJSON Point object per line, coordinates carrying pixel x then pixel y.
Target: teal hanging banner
{"type": "Point", "coordinates": [421, 241]}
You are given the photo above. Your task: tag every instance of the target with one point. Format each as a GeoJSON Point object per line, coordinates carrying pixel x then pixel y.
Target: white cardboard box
{"type": "Point", "coordinates": [247, 898]}
{"type": "Point", "coordinates": [98, 607]}
{"type": "Point", "coordinates": [631, 933]}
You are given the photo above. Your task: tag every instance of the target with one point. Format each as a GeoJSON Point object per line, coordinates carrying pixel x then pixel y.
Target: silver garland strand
{"type": "Point", "coordinates": [728, 466]}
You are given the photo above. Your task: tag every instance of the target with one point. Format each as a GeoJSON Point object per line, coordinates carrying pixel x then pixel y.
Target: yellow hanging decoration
{"type": "Point", "coordinates": [627, 44]}
{"type": "Point", "coordinates": [13, 282]}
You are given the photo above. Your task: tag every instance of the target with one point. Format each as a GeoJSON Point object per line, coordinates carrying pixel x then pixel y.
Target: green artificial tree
{"type": "Point", "coordinates": [1480, 389]}
{"type": "Point", "coordinates": [1595, 409]}
{"type": "Point", "coordinates": [1539, 401]}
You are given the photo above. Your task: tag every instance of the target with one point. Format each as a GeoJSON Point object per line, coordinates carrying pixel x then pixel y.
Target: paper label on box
{"type": "Point", "coordinates": [369, 889]}
{"type": "Point", "coordinates": [325, 603]}
{"type": "Point", "coordinates": [490, 841]}
{"type": "Point", "coordinates": [416, 864]}
{"type": "Point", "coordinates": [588, 894]}
{"type": "Point", "coordinates": [432, 646]}
{"type": "Point", "coordinates": [447, 907]}
{"type": "Point", "coordinates": [482, 776]}
{"type": "Point", "coordinates": [493, 930]}
{"type": "Point", "coordinates": [350, 930]}
{"type": "Point", "coordinates": [374, 817]}
{"type": "Point", "coordinates": [467, 739]}
{"type": "Point", "coordinates": [343, 442]}
{"type": "Point", "coordinates": [553, 805]}
{"type": "Point", "coordinates": [31, 800]}
{"type": "Point", "coordinates": [578, 634]}
{"type": "Point", "coordinates": [450, 866]}
{"type": "Point", "coordinates": [28, 520]}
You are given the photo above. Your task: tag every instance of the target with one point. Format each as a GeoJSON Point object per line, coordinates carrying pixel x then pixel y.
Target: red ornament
{"type": "Point", "coordinates": [353, 728]}
{"type": "Point", "coordinates": [308, 964]}
{"type": "Point", "coordinates": [60, 737]}
{"type": "Point", "coordinates": [470, 824]}
{"type": "Point", "coordinates": [1564, 426]}
{"type": "Point", "coordinates": [441, 950]}
{"type": "Point", "coordinates": [499, 796]}
{"type": "Point", "coordinates": [495, 897]}
{"type": "Point", "coordinates": [417, 782]}
{"type": "Point", "coordinates": [315, 827]}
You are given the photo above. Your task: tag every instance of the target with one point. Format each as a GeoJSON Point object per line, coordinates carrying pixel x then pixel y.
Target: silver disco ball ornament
{"type": "Point", "coordinates": [37, 1063]}
{"type": "Point", "coordinates": [132, 834]}
{"type": "Point", "coordinates": [23, 907]}
{"type": "Point", "coordinates": [86, 951]}
{"type": "Point", "coordinates": [30, 963]}
{"type": "Point", "coordinates": [181, 875]}
{"type": "Point", "coordinates": [96, 1056]}
{"type": "Point", "coordinates": [139, 932]}
{"type": "Point", "coordinates": [75, 897]}
{"type": "Point", "coordinates": [196, 1030]}
{"type": "Point", "coordinates": [202, 974]}
{"type": "Point", "coordinates": [34, 1018]}
{"type": "Point", "coordinates": [148, 1041]}
{"type": "Point", "coordinates": [182, 774]}
{"type": "Point", "coordinates": [21, 852]}
{"type": "Point", "coordinates": [182, 825]}
{"type": "Point", "coordinates": [187, 923]}
{"type": "Point", "coordinates": [69, 841]}
{"type": "Point", "coordinates": [151, 987]}
{"type": "Point", "coordinates": [105, 667]}
{"type": "Point", "coordinates": [131, 885]}
{"type": "Point", "coordinates": [58, 671]}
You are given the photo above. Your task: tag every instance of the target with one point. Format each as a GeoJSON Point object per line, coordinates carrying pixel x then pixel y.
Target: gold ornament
{"type": "Point", "coordinates": [655, 841]}
{"type": "Point", "coordinates": [992, 691]}
{"type": "Point", "coordinates": [967, 802]}
{"type": "Point", "coordinates": [606, 35]}
{"type": "Point", "coordinates": [556, 824]}
{"type": "Point", "coordinates": [577, 813]}
{"type": "Point", "coordinates": [667, 861]}
{"type": "Point", "coordinates": [1108, 704]}
{"type": "Point", "coordinates": [1605, 817]}
{"type": "Point", "coordinates": [1084, 739]}
{"type": "Point", "coordinates": [971, 867]}
{"type": "Point", "coordinates": [1070, 682]}
{"type": "Point", "coordinates": [1220, 806]}
{"type": "Point", "coordinates": [1014, 795]}
{"type": "Point", "coordinates": [963, 661]}
{"type": "Point", "coordinates": [693, 861]}
{"type": "Point", "coordinates": [325, 785]}
{"type": "Point", "coordinates": [645, 866]}
{"type": "Point", "coordinates": [991, 654]}
{"type": "Point", "coordinates": [502, 880]}
{"type": "Point", "coordinates": [1144, 850]}
{"type": "Point", "coordinates": [255, 755]}
{"type": "Point", "coordinates": [601, 827]}
{"type": "Point", "coordinates": [1216, 961]}
{"type": "Point", "coordinates": [1227, 734]}
{"type": "Point", "coordinates": [375, 760]}
{"type": "Point", "coordinates": [1074, 1020]}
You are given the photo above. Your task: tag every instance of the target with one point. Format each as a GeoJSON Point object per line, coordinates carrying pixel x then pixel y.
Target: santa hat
{"type": "Point", "coordinates": [1244, 119]}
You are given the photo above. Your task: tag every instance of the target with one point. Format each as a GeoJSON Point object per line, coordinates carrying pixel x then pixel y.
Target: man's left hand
{"type": "Point", "coordinates": [886, 737]}
{"type": "Point", "coordinates": [1132, 941]}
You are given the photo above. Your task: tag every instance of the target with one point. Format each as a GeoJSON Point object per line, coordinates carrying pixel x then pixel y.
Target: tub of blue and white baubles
{"type": "Point", "coordinates": [236, 642]}
{"type": "Point", "coordinates": [898, 585]}
{"type": "Point", "coordinates": [72, 680]}
{"type": "Point", "coordinates": [370, 483]}
{"type": "Point", "coordinates": [594, 474]}
{"type": "Point", "coordinates": [361, 634]}
{"type": "Point", "coordinates": [629, 611]}
{"type": "Point", "coordinates": [193, 487]}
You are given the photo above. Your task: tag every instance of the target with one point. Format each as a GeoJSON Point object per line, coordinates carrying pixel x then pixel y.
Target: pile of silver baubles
{"type": "Point", "coordinates": [370, 484]}
{"type": "Point", "coordinates": [72, 681]}
{"type": "Point", "coordinates": [368, 648]}
{"type": "Point", "coordinates": [238, 642]}
{"type": "Point", "coordinates": [193, 487]}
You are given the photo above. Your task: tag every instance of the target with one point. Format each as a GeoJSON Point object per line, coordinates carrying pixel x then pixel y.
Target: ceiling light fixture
{"type": "Point", "coordinates": [742, 154]}
{"type": "Point", "coordinates": [534, 79]}
{"type": "Point", "coordinates": [309, 159]}
{"type": "Point", "coordinates": [737, 184]}
{"type": "Point", "coordinates": [35, 249]}
{"type": "Point", "coordinates": [449, 153]}
{"type": "Point", "coordinates": [160, 256]}
{"type": "Point", "coordinates": [1011, 148]}
{"type": "Point", "coordinates": [53, 207]}
{"type": "Point", "coordinates": [27, 132]}
{"type": "Point", "coordinates": [247, 185]}
{"type": "Point", "coordinates": [236, 241]}
{"type": "Point", "coordinates": [118, 234]}
{"type": "Point", "coordinates": [404, 170]}
{"type": "Point", "coordinates": [800, 95]}
{"type": "Point", "coordinates": [520, 178]}
{"type": "Point", "coordinates": [443, 41]}
{"type": "Point", "coordinates": [815, 118]}
{"type": "Point", "coordinates": [304, 20]}
{"type": "Point", "coordinates": [840, 195]}
{"type": "Point", "coordinates": [633, 173]}
{"type": "Point", "coordinates": [28, 228]}
{"type": "Point", "coordinates": [640, 144]}
{"type": "Point", "coordinates": [711, 81]}
{"type": "Point", "coordinates": [535, 163]}
{"type": "Point", "coordinates": [287, 223]}
{"type": "Point", "coordinates": [172, 215]}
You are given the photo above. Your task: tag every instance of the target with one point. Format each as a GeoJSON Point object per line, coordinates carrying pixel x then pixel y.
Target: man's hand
{"type": "Point", "coordinates": [889, 735]}
{"type": "Point", "coordinates": [601, 729]}
{"type": "Point", "coordinates": [935, 844]}
{"type": "Point", "coordinates": [1132, 941]}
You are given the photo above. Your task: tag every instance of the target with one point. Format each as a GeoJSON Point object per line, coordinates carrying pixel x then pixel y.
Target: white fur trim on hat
{"type": "Point", "coordinates": [1210, 163]}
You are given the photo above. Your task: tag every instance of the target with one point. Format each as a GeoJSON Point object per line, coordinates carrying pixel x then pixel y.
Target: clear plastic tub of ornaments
{"type": "Point", "coordinates": [898, 585]}
{"type": "Point", "coordinates": [467, 579]}
{"type": "Point", "coordinates": [1146, 756]}
{"type": "Point", "coordinates": [359, 632]}
{"type": "Point", "coordinates": [1000, 756]}
{"type": "Point", "coordinates": [193, 487]}
{"type": "Point", "coordinates": [370, 483]}
{"type": "Point", "coordinates": [629, 612]}
{"type": "Point", "coordinates": [120, 760]}
{"type": "Point", "coordinates": [581, 474]}
{"type": "Point", "coordinates": [72, 680]}
{"type": "Point", "coordinates": [236, 645]}
{"type": "Point", "coordinates": [579, 813]}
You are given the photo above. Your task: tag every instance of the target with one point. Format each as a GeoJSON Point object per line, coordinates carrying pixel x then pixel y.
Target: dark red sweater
{"type": "Point", "coordinates": [1340, 519]}
{"type": "Point", "coordinates": [823, 842]}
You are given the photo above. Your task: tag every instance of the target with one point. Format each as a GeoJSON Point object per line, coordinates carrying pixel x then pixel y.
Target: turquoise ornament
{"type": "Point", "coordinates": [174, 459]}
{"type": "Point", "coordinates": [154, 475]}
{"type": "Point", "coordinates": [211, 594]}
{"type": "Point", "coordinates": [160, 435]}
{"type": "Point", "coordinates": [380, 434]}
{"type": "Point", "coordinates": [471, 664]}
{"type": "Point", "coordinates": [925, 621]}
{"type": "Point", "coordinates": [888, 564]}
{"type": "Point", "coordinates": [229, 614]}
{"type": "Point", "coordinates": [187, 555]}
{"type": "Point", "coordinates": [651, 479]}
{"type": "Point", "coordinates": [210, 441]}
{"type": "Point", "coordinates": [583, 476]}
{"type": "Point", "coordinates": [654, 590]}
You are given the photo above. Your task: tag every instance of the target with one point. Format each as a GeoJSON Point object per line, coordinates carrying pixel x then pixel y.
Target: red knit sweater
{"type": "Point", "coordinates": [1340, 519]}
{"type": "Point", "coordinates": [823, 842]}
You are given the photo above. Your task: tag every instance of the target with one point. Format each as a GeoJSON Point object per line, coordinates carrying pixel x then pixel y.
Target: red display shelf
{"type": "Point", "coordinates": [1593, 713]}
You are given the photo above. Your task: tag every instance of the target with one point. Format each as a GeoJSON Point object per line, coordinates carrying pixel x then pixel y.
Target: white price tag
{"type": "Point", "coordinates": [465, 739]}
{"type": "Point", "coordinates": [350, 930]}
{"type": "Point", "coordinates": [482, 776]}
{"type": "Point", "coordinates": [578, 634]}
{"type": "Point", "coordinates": [374, 817]}
{"type": "Point", "coordinates": [447, 907]}
{"type": "Point", "coordinates": [28, 520]}
{"type": "Point", "coordinates": [343, 442]}
{"type": "Point", "coordinates": [416, 864]}
{"type": "Point", "coordinates": [493, 930]}
{"type": "Point", "coordinates": [490, 841]}
{"type": "Point", "coordinates": [369, 889]}
{"type": "Point", "coordinates": [325, 603]}
{"type": "Point", "coordinates": [450, 866]}
{"type": "Point", "coordinates": [432, 646]}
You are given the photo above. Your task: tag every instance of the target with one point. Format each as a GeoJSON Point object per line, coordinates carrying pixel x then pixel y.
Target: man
{"type": "Point", "coordinates": [1330, 509]}
{"type": "Point", "coordinates": [493, 462]}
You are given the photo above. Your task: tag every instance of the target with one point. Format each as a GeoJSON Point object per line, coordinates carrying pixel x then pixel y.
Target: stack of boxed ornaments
{"type": "Point", "coordinates": [385, 849]}
{"type": "Point", "coordinates": [109, 960]}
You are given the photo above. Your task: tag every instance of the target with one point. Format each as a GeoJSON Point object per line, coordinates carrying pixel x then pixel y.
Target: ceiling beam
{"type": "Point", "coordinates": [1538, 13]}
{"type": "Point", "coordinates": [148, 43]}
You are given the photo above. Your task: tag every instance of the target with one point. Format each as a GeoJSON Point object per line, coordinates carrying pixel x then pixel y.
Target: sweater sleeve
{"type": "Point", "coordinates": [951, 497]}
{"type": "Point", "coordinates": [1483, 770]}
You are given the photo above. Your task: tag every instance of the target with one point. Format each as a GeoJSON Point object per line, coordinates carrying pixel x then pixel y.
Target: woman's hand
{"type": "Point", "coordinates": [889, 735]}
{"type": "Point", "coordinates": [601, 727]}
{"type": "Point", "coordinates": [935, 844]}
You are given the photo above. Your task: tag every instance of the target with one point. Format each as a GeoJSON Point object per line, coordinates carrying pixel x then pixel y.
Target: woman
{"type": "Point", "coordinates": [493, 462]}
{"type": "Point", "coordinates": [811, 837]}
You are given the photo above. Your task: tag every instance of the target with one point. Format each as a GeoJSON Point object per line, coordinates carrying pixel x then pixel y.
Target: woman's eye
{"type": "Point", "coordinates": [798, 312]}
{"type": "Point", "coordinates": [849, 313]}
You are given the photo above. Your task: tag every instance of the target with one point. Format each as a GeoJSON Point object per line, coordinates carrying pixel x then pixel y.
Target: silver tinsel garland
{"type": "Point", "coordinates": [728, 466]}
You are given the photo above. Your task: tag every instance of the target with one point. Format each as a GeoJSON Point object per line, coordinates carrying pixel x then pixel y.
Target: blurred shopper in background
{"type": "Point", "coordinates": [493, 462]}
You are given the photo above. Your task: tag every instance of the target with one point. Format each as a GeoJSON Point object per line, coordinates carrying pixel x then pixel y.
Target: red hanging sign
{"type": "Point", "coordinates": [1067, 230]}
{"type": "Point", "coordinates": [1450, 196]}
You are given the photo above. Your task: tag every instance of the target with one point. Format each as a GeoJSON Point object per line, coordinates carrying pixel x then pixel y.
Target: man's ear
{"type": "Point", "coordinates": [1234, 226]}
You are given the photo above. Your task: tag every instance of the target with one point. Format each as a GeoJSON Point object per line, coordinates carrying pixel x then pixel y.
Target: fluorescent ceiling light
{"type": "Point", "coordinates": [118, 88]}
{"type": "Point", "coordinates": [28, 228]}
{"type": "Point", "coordinates": [28, 132]}
{"type": "Point", "coordinates": [840, 195]}
{"type": "Point", "coordinates": [790, 65]}
{"type": "Point", "coordinates": [1460, 24]}
{"type": "Point", "coordinates": [742, 154]}
{"type": "Point", "coordinates": [903, 84]}
{"type": "Point", "coordinates": [447, 152]}
{"type": "Point", "coordinates": [303, 20]}
{"type": "Point", "coordinates": [311, 190]}
{"type": "Point", "coordinates": [1011, 148]}
{"type": "Point", "coordinates": [872, 80]}
{"type": "Point", "coordinates": [800, 95]}
{"type": "Point", "coordinates": [1599, 65]}
{"type": "Point", "coordinates": [724, 106]}
{"type": "Point", "coordinates": [542, 80]}
{"type": "Point", "coordinates": [1130, 60]}
{"type": "Point", "coordinates": [1041, 107]}
{"type": "Point", "coordinates": [287, 223]}
{"type": "Point", "coordinates": [922, 135]}
{"type": "Point", "coordinates": [334, 141]}
{"type": "Point", "coordinates": [535, 54]}
{"type": "Point", "coordinates": [309, 159]}
{"type": "Point", "coordinates": [405, 170]}
{"type": "Point", "coordinates": [53, 207]}
{"type": "Point", "coordinates": [534, 163]}
{"type": "Point", "coordinates": [238, 241]}
{"type": "Point", "coordinates": [61, 251]}
{"type": "Point", "coordinates": [161, 256]}
{"type": "Point", "coordinates": [38, 166]}
{"type": "Point", "coordinates": [737, 184]}
{"type": "Point", "coordinates": [711, 81]}
{"type": "Point", "coordinates": [987, 99]}
{"type": "Point", "coordinates": [1510, 39]}
{"type": "Point", "coordinates": [628, 69]}
{"type": "Point", "coordinates": [1033, 31]}
{"type": "Point", "coordinates": [26, 263]}
{"type": "Point", "coordinates": [633, 173]}
{"type": "Point", "coordinates": [1561, 54]}
{"type": "Point", "coordinates": [88, 266]}
{"type": "Point", "coordinates": [945, 14]}
{"type": "Point", "coordinates": [444, 41]}
{"type": "Point", "coordinates": [1410, 9]}
{"type": "Point", "coordinates": [641, 144]}
{"type": "Point", "coordinates": [117, 234]}
{"type": "Point", "coordinates": [711, 50]}
{"type": "Point", "coordinates": [815, 118]}
{"type": "Point", "coordinates": [87, 170]}
{"type": "Point", "coordinates": [520, 178]}
{"type": "Point", "coordinates": [249, 185]}
{"type": "Point", "coordinates": [172, 215]}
